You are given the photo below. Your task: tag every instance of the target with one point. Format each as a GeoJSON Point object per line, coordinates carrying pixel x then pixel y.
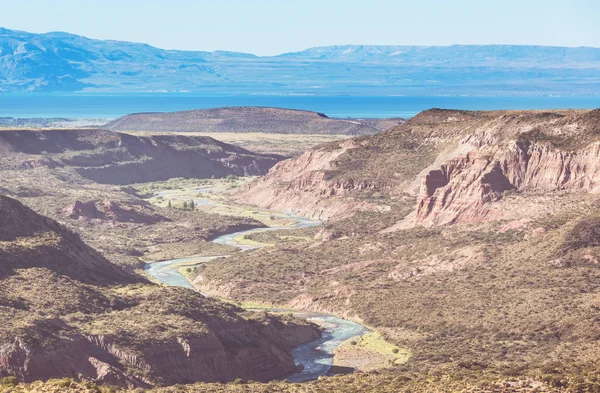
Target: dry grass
{"type": "Point", "coordinates": [289, 145]}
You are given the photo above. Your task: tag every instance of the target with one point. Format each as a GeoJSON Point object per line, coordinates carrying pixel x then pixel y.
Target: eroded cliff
{"type": "Point", "coordinates": [454, 164]}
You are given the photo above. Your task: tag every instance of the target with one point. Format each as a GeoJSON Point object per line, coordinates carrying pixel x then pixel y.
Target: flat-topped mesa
{"type": "Point", "coordinates": [116, 158]}
{"type": "Point", "coordinates": [249, 119]}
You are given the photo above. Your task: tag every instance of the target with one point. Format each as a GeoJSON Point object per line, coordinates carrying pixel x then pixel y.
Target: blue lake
{"type": "Point", "coordinates": [80, 105]}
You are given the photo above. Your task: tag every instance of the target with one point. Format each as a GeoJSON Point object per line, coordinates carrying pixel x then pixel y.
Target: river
{"type": "Point", "coordinates": [316, 356]}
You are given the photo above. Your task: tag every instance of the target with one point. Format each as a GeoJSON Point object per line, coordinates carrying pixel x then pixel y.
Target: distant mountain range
{"type": "Point", "coordinates": [61, 62]}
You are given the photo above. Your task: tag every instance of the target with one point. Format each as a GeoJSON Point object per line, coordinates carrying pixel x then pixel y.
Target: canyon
{"type": "Point", "coordinates": [468, 239]}
{"type": "Point", "coordinates": [460, 163]}
{"type": "Point", "coordinates": [69, 312]}
{"type": "Point", "coordinates": [452, 234]}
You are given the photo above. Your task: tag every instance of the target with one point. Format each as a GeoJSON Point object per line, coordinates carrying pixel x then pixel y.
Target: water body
{"type": "Point", "coordinates": [316, 356]}
{"type": "Point", "coordinates": [81, 105]}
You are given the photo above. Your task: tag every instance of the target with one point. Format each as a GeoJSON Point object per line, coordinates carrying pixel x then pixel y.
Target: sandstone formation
{"type": "Point", "coordinates": [455, 163]}
{"type": "Point", "coordinates": [528, 157]}
{"type": "Point", "coordinates": [301, 185]}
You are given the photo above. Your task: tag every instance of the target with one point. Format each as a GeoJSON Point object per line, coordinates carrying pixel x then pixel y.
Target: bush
{"type": "Point", "coordinates": [9, 381]}
{"type": "Point", "coordinates": [64, 383]}
{"type": "Point", "coordinates": [586, 233]}
{"type": "Point", "coordinates": [238, 381]}
{"type": "Point", "coordinates": [396, 350]}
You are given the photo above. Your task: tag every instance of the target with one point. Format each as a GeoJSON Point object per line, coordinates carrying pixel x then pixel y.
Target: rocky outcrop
{"type": "Point", "coordinates": [301, 185]}
{"type": "Point", "coordinates": [456, 164]}
{"type": "Point", "coordinates": [111, 211]}
{"type": "Point", "coordinates": [247, 350]}
{"type": "Point", "coordinates": [461, 190]}
{"type": "Point", "coordinates": [82, 210]}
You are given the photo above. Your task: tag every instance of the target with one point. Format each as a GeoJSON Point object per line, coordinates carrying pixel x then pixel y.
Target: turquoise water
{"type": "Point", "coordinates": [114, 105]}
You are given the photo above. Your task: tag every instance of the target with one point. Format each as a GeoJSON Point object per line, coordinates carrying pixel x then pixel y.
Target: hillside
{"type": "Point", "coordinates": [83, 178]}
{"type": "Point", "coordinates": [115, 158]}
{"type": "Point", "coordinates": [248, 119]}
{"type": "Point", "coordinates": [64, 62]}
{"type": "Point", "coordinates": [431, 155]}
{"type": "Point", "coordinates": [468, 238]}
{"type": "Point", "coordinates": [65, 311]}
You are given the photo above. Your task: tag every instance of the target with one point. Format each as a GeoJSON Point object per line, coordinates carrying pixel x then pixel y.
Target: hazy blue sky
{"type": "Point", "coordinates": [277, 26]}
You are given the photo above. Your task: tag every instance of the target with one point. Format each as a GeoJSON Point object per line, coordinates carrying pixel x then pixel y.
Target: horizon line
{"type": "Point", "coordinates": [298, 51]}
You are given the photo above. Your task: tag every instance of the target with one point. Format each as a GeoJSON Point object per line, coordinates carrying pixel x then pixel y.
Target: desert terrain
{"type": "Point", "coordinates": [467, 242]}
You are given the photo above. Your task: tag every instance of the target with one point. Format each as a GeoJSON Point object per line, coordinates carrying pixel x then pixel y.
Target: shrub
{"type": "Point", "coordinates": [586, 233]}
{"type": "Point", "coordinates": [9, 381]}
{"type": "Point", "coordinates": [238, 381]}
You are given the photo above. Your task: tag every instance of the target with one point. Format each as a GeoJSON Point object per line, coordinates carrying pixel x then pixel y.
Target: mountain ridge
{"type": "Point", "coordinates": [57, 61]}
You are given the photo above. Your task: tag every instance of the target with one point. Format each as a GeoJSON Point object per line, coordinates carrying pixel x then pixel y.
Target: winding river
{"type": "Point", "coordinates": [316, 357]}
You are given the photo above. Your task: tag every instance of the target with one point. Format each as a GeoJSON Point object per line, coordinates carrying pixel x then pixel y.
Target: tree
{"type": "Point", "coordinates": [192, 204]}
{"type": "Point", "coordinates": [185, 206]}
{"type": "Point", "coordinates": [169, 204]}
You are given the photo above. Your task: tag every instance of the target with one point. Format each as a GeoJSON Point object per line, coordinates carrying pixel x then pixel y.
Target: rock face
{"type": "Point", "coordinates": [113, 158]}
{"type": "Point", "coordinates": [461, 190]}
{"type": "Point", "coordinates": [249, 119]}
{"type": "Point", "coordinates": [110, 211]}
{"type": "Point", "coordinates": [83, 210]}
{"type": "Point", "coordinates": [65, 311]}
{"type": "Point", "coordinates": [237, 350]}
{"type": "Point", "coordinates": [456, 164]}
{"type": "Point", "coordinates": [301, 185]}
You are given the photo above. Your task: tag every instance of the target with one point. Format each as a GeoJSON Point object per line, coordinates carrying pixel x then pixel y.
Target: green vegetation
{"type": "Point", "coordinates": [376, 342]}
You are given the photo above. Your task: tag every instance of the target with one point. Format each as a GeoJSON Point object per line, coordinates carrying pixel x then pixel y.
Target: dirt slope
{"type": "Point", "coordinates": [65, 311]}
{"type": "Point", "coordinates": [115, 158]}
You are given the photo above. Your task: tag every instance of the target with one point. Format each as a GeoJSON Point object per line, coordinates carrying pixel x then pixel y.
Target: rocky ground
{"type": "Point", "coordinates": [66, 311]}
{"type": "Point", "coordinates": [468, 238]}
{"type": "Point", "coordinates": [75, 177]}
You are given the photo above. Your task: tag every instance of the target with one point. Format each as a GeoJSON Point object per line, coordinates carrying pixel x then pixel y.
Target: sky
{"type": "Point", "coordinates": [269, 27]}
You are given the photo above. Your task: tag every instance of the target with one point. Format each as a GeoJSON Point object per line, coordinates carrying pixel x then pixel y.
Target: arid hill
{"type": "Point", "coordinates": [469, 238]}
{"type": "Point", "coordinates": [65, 311]}
{"type": "Point", "coordinates": [249, 119]}
{"type": "Point", "coordinates": [114, 158]}
{"type": "Point", "coordinates": [449, 160]}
